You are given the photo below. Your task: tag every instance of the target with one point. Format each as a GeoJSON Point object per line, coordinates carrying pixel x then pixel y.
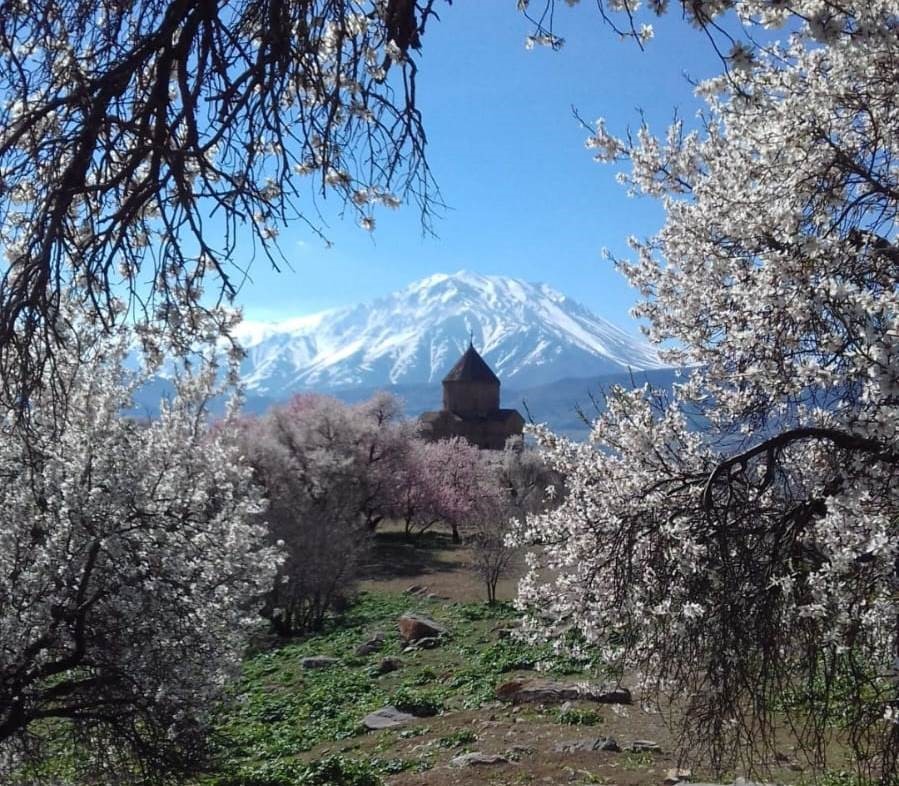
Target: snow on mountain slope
{"type": "Point", "coordinates": [530, 334]}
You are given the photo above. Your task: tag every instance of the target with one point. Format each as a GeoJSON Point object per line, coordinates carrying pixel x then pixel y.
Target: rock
{"type": "Point", "coordinates": [415, 589]}
{"type": "Point", "coordinates": [517, 752]}
{"type": "Point", "coordinates": [644, 746]}
{"type": "Point", "coordinates": [510, 691]}
{"type": "Point", "coordinates": [319, 662]}
{"type": "Point", "coordinates": [674, 776]}
{"type": "Point", "coordinates": [386, 718]}
{"type": "Point", "coordinates": [375, 643]}
{"type": "Point", "coordinates": [507, 629]}
{"type": "Point", "coordinates": [605, 695]}
{"type": "Point", "coordinates": [521, 750]}
{"type": "Point", "coordinates": [550, 692]}
{"type": "Point", "coordinates": [416, 626]}
{"type": "Point", "coordinates": [738, 782]}
{"type": "Point", "coordinates": [427, 643]}
{"type": "Point", "coordinates": [586, 745]}
{"type": "Point", "coordinates": [388, 665]}
{"type": "Point", "coordinates": [477, 759]}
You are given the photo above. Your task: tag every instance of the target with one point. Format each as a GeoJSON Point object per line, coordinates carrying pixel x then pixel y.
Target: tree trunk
{"type": "Point", "coordinates": [491, 592]}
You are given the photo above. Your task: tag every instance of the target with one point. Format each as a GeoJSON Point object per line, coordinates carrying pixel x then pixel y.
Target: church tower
{"type": "Point", "coordinates": [471, 406]}
{"type": "Point", "coordinates": [471, 389]}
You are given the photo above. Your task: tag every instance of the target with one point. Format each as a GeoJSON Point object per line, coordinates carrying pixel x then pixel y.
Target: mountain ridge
{"type": "Point", "coordinates": [530, 334]}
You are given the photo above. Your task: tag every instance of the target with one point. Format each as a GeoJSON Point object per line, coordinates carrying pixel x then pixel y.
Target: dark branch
{"type": "Point", "coordinates": [876, 450]}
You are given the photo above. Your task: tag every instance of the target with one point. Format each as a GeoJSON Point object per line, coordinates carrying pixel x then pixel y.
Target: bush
{"type": "Point", "coordinates": [575, 716]}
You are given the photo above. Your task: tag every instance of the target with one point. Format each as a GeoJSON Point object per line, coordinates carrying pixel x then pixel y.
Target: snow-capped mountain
{"type": "Point", "coordinates": [530, 334]}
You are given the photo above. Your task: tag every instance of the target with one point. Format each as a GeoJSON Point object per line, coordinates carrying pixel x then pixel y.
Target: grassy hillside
{"type": "Point", "coordinates": [288, 725]}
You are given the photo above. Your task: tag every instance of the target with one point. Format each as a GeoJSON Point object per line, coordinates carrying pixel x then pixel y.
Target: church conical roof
{"type": "Point", "coordinates": [471, 367]}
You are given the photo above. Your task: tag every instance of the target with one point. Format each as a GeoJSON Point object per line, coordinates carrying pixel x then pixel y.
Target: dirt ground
{"type": "Point", "coordinates": [432, 561]}
{"type": "Point", "coordinates": [528, 739]}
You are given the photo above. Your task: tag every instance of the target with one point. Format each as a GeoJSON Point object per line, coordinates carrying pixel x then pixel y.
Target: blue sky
{"type": "Point", "coordinates": [525, 198]}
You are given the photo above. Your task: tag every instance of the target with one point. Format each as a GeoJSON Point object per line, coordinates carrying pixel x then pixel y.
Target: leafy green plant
{"type": "Point", "coordinates": [278, 710]}
{"type": "Point", "coordinates": [575, 716]}
{"type": "Point", "coordinates": [417, 731]}
{"type": "Point", "coordinates": [482, 611]}
{"type": "Point", "coordinates": [394, 766]}
{"type": "Point", "coordinates": [836, 778]}
{"type": "Point", "coordinates": [340, 771]}
{"type": "Point", "coordinates": [633, 760]}
{"type": "Point", "coordinates": [266, 773]}
{"type": "Point", "coordinates": [421, 703]}
{"type": "Point", "coordinates": [425, 676]}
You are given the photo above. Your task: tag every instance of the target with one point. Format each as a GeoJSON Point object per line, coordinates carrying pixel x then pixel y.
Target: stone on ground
{"type": "Point", "coordinates": [427, 643]}
{"type": "Point", "coordinates": [319, 662]}
{"type": "Point", "coordinates": [417, 626]}
{"type": "Point", "coordinates": [388, 665]}
{"type": "Point", "coordinates": [476, 759]}
{"type": "Point", "coordinates": [375, 643]}
{"type": "Point", "coordinates": [386, 718]}
{"type": "Point", "coordinates": [415, 589]}
{"type": "Point", "coordinates": [551, 692]}
{"type": "Point", "coordinates": [644, 746]}
{"type": "Point", "coordinates": [587, 745]}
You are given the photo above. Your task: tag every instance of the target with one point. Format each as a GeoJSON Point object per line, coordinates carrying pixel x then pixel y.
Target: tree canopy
{"type": "Point", "coordinates": [749, 572]}
{"type": "Point", "coordinates": [139, 140]}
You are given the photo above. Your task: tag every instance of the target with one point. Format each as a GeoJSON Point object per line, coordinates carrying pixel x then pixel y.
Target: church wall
{"type": "Point", "coordinates": [470, 399]}
{"type": "Point", "coordinates": [471, 407]}
{"type": "Point", "coordinates": [488, 433]}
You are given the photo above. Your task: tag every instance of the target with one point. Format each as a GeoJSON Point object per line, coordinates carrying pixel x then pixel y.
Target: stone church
{"type": "Point", "coordinates": [471, 407]}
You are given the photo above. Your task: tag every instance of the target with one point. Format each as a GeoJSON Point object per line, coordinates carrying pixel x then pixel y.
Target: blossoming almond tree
{"type": "Point", "coordinates": [131, 569]}
{"type": "Point", "coordinates": [324, 466]}
{"type": "Point", "coordinates": [739, 544]}
{"type": "Point", "coordinates": [139, 140]}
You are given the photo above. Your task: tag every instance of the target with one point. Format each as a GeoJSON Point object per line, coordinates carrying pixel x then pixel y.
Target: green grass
{"type": "Point", "coordinates": [836, 778]}
{"type": "Point", "coordinates": [279, 711]}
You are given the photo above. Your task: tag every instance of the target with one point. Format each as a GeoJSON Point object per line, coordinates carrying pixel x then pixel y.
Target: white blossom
{"type": "Point", "coordinates": [131, 561]}
{"type": "Point", "coordinates": [757, 547]}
